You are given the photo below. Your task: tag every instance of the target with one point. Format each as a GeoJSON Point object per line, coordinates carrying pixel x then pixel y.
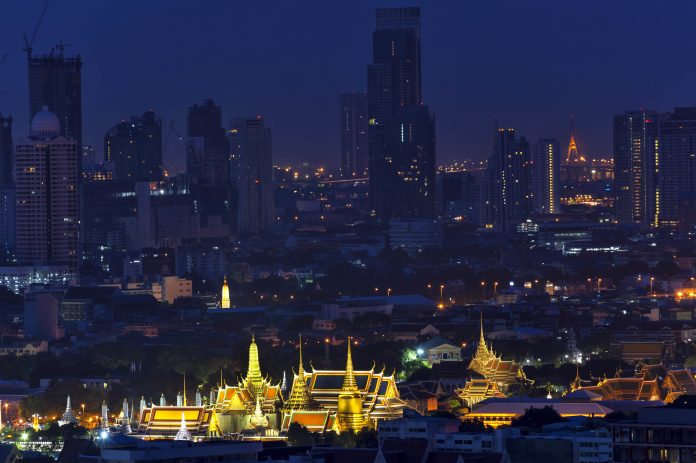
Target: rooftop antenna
{"type": "Point", "coordinates": [28, 44]}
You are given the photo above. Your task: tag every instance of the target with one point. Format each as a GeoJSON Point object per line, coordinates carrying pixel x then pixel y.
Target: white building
{"type": "Point", "coordinates": [46, 178]}
{"type": "Point", "coordinates": [174, 287]}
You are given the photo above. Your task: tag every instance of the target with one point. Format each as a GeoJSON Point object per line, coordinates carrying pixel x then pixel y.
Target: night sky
{"type": "Point", "coordinates": [531, 64]}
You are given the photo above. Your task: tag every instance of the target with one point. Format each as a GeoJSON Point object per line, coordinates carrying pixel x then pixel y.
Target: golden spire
{"type": "Point", "coordinates": [253, 376]}
{"type": "Point", "coordinates": [225, 299]}
{"type": "Point", "coordinates": [299, 396]}
{"type": "Point", "coordinates": [185, 390]}
{"type": "Point", "coordinates": [349, 384]}
{"type": "Point", "coordinates": [577, 382]}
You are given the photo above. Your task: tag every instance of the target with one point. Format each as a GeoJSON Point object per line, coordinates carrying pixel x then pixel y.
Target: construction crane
{"type": "Point", "coordinates": [28, 44]}
{"type": "Point", "coordinates": [172, 129]}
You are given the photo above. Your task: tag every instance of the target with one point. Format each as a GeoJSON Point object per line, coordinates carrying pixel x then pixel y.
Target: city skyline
{"type": "Point", "coordinates": [588, 78]}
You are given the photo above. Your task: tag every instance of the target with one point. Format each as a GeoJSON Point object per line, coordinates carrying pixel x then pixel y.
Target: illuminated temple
{"type": "Point", "coordinates": [321, 400]}
{"type": "Point", "coordinates": [651, 382]}
{"type": "Point", "coordinates": [252, 402]}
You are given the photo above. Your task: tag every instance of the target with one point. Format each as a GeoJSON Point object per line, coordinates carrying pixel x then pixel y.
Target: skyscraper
{"type": "Point", "coordinates": [6, 150]}
{"type": "Point", "coordinates": [353, 133]}
{"type": "Point", "coordinates": [507, 192]}
{"type": "Point", "coordinates": [55, 80]}
{"type": "Point", "coordinates": [208, 149]}
{"type": "Point", "coordinates": [251, 145]}
{"type": "Point", "coordinates": [401, 132]}
{"type": "Point", "coordinates": [7, 197]}
{"type": "Point", "coordinates": [676, 165]}
{"type": "Point", "coordinates": [635, 176]}
{"type": "Point", "coordinates": [545, 175]}
{"type": "Point", "coordinates": [46, 175]}
{"type": "Point", "coordinates": [135, 148]}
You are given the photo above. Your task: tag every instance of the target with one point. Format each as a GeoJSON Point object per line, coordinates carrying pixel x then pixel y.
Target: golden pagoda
{"type": "Point", "coordinates": [225, 300]}
{"type": "Point", "coordinates": [350, 416]}
{"type": "Point", "coordinates": [235, 406]}
{"type": "Point", "coordinates": [492, 367]}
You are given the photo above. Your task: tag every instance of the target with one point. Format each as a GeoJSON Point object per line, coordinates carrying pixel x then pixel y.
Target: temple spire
{"type": "Point", "coordinates": [253, 376]}
{"type": "Point", "coordinates": [183, 433]}
{"type": "Point", "coordinates": [299, 396]}
{"type": "Point", "coordinates": [185, 403]}
{"type": "Point", "coordinates": [349, 384]}
{"type": "Point", "coordinates": [225, 296]}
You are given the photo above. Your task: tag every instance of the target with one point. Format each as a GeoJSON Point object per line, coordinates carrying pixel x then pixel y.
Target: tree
{"type": "Point", "coordinates": [366, 438]}
{"type": "Point", "coordinates": [537, 417]}
{"type": "Point", "coordinates": [300, 436]}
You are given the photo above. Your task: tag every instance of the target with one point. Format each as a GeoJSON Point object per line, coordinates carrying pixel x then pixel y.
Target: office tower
{"type": "Point", "coordinates": [459, 196]}
{"type": "Point", "coordinates": [401, 132]}
{"type": "Point", "coordinates": [208, 149]}
{"type": "Point", "coordinates": [7, 198]}
{"type": "Point", "coordinates": [251, 144]}
{"type": "Point", "coordinates": [46, 177]}
{"type": "Point", "coordinates": [635, 142]}
{"type": "Point", "coordinates": [134, 148]}
{"type": "Point", "coordinates": [6, 150]}
{"type": "Point", "coordinates": [676, 166]}
{"type": "Point", "coordinates": [507, 190]}
{"type": "Point", "coordinates": [55, 80]}
{"type": "Point", "coordinates": [545, 176]}
{"type": "Point", "coordinates": [353, 133]}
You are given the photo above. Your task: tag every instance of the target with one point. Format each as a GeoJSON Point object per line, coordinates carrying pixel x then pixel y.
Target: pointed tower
{"type": "Point", "coordinates": [183, 433]}
{"type": "Point", "coordinates": [299, 396]}
{"type": "Point", "coordinates": [350, 416]}
{"type": "Point", "coordinates": [179, 399]}
{"type": "Point", "coordinates": [105, 416]}
{"type": "Point", "coordinates": [254, 380]}
{"type": "Point", "coordinates": [225, 299]}
{"type": "Point", "coordinates": [284, 383]}
{"type": "Point", "coordinates": [125, 421]}
{"type": "Point", "coordinates": [68, 415]}
{"type": "Point", "coordinates": [199, 398]}
{"type": "Point", "coordinates": [577, 382]}
{"type": "Point", "coordinates": [163, 401]}
{"type": "Point", "coordinates": [573, 156]}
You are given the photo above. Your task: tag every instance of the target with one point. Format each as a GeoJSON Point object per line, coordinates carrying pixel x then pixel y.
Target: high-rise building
{"type": "Point", "coordinates": [635, 176]}
{"type": "Point", "coordinates": [46, 178]}
{"type": "Point", "coordinates": [251, 145]}
{"type": "Point", "coordinates": [208, 148]}
{"type": "Point", "coordinates": [134, 148]}
{"type": "Point", "coordinates": [401, 132]}
{"type": "Point", "coordinates": [507, 192]}
{"type": "Point", "coordinates": [353, 133]}
{"type": "Point", "coordinates": [676, 165]}
{"type": "Point", "coordinates": [55, 80]}
{"type": "Point", "coordinates": [6, 151]}
{"type": "Point", "coordinates": [7, 198]}
{"type": "Point", "coordinates": [545, 176]}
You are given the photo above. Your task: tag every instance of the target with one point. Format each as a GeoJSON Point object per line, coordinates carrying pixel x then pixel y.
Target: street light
{"type": "Point", "coordinates": [388, 292]}
{"type": "Point", "coordinates": [442, 304]}
{"type": "Point", "coordinates": [652, 294]}
{"type": "Point", "coordinates": [83, 410]}
{"type": "Point", "coordinates": [599, 281]}
{"type": "Point", "coordinates": [495, 290]}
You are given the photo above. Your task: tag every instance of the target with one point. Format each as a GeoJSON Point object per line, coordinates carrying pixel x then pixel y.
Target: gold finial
{"type": "Point", "coordinates": [349, 384]}
{"type": "Point", "coordinates": [184, 389]}
{"type": "Point", "coordinates": [301, 370]}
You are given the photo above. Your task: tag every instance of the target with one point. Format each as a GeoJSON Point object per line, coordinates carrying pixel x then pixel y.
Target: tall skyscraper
{"type": "Point", "coordinates": [545, 175]}
{"type": "Point", "coordinates": [635, 176]}
{"type": "Point", "coordinates": [7, 197]}
{"type": "Point", "coordinates": [6, 150]}
{"type": "Point", "coordinates": [676, 165]}
{"type": "Point", "coordinates": [353, 133]}
{"type": "Point", "coordinates": [508, 196]}
{"type": "Point", "coordinates": [208, 148]}
{"type": "Point", "coordinates": [46, 175]}
{"type": "Point", "coordinates": [401, 132]}
{"type": "Point", "coordinates": [55, 80]}
{"type": "Point", "coordinates": [251, 145]}
{"type": "Point", "coordinates": [135, 148]}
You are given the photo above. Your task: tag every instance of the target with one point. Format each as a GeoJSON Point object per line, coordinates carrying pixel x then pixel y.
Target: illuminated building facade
{"type": "Point", "coordinates": [635, 167]}
{"type": "Point", "coordinates": [225, 296]}
{"type": "Point", "coordinates": [545, 176]}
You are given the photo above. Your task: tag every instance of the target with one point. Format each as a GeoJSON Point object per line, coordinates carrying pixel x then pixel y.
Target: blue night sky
{"type": "Point", "coordinates": [530, 63]}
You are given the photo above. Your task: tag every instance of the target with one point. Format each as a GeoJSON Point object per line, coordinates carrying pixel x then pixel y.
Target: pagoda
{"type": "Point", "coordinates": [225, 299]}
{"type": "Point", "coordinates": [350, 415]}
{"type": "Point", "coordinates": [68, 416]}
